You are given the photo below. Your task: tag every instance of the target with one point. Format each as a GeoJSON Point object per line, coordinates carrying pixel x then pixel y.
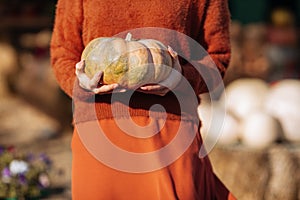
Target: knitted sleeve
{"type": "Point", "coordinates": [213, 35]}
{"type": "Point", "coordinates": [66, 44]}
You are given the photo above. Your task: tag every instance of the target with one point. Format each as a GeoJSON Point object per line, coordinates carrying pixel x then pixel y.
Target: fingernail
{"type": "Point", "coordinates": [144, 88]}
{"type": "Point", "coordinates": [171, 50]}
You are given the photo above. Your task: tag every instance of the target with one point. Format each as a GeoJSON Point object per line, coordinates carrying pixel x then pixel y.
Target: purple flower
{"type": "Point", "coordinates": [6, 172]}
{"type": "Point", "coordinates": [45, 159]}
{"type": "Point", "coordinates": [6, 175]}
{"type": "Point", "coordinates": [30, 157]}
{"type": "Point", "coordinates": [22, 179]}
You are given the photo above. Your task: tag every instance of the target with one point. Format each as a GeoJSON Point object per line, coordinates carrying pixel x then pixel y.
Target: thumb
{"type": "Point", "coordinates": [96, 78]}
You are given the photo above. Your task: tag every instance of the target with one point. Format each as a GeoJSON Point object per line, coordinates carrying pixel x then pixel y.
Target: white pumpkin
{"type": "Point", "coordinates": [205, 114]}
{"type": "Point", "coordinates": [218, 127]}
{"type": "Point", "coordinates": [260, 130]}
{"type": "Point", "coordinates": [230, 133]}
{"type": "Point", "coordinates": [245, 95]}
{"type": "Point", "coordinates": [283, 102]}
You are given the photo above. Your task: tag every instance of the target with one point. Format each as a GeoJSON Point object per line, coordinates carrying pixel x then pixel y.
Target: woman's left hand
{"type": "Point", "coordinates": [168, 84]}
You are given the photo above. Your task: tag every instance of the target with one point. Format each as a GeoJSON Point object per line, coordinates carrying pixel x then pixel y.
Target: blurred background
{"type": "Point", "coordinates": [258, 154]}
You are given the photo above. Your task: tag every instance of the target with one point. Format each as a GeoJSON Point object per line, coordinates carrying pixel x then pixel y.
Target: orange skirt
{"type": "Point", "coordinates": [151, 162]}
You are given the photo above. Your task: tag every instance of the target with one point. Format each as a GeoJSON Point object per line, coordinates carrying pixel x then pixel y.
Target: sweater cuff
{"type": "Point", "coordinates": [81, 94]}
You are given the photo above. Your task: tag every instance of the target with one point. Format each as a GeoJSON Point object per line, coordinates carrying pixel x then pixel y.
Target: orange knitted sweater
{"type": "Point", "coordinates": [79, 21]}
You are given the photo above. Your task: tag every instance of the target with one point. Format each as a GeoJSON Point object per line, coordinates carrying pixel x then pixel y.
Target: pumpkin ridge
{"type": "Point", "coordinates": [115, 69]}
{"type": "Point", "coordinates": [162, 67]}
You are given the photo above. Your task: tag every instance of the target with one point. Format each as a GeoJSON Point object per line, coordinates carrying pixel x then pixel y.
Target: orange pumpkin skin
{"type": "Point", "coordinates": [130, 63]}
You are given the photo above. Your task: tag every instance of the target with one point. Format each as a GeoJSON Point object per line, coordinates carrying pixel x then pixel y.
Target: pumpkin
{"type": "Point", "coordinates": [230, 133]}
{"type": "Point", "coordinates": [282, 102]}
{"type": "Point", "coordinates": [244, 95]}
{"type": "Point", "coordinates": [217, 125]}
{"type": "Point", "coordinates": [129, 62]}
{"type": "Point", "coordinates": [260, 130]}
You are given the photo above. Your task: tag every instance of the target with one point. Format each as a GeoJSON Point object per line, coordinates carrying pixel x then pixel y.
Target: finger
{"type": "Point", "coordinates": [160, 92]}
{"type": "Point", "coordinates": [96, 78]}
{"type": "Point", "coordinates": [80, 67]}
{"type": "Point", "coordinates": [151, 87]}
{"type": "Point", "coordinates": [84, 81]}
{"type": "Point", "coordinates": [120, 90]}
{"type": "Point", "coordinates": [172, 52]}
{"type": "Point", "coordinates": [176, 64]}
{"type": "Point", "coordinates": [105, 88]}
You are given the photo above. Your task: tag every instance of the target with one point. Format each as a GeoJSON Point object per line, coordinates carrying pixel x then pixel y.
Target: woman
{"type": "Point", "coordinates": [185, 177]}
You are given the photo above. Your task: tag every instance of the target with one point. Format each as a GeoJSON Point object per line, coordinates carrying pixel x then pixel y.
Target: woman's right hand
{"type": "Point", "coordinates": [93, 84]}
